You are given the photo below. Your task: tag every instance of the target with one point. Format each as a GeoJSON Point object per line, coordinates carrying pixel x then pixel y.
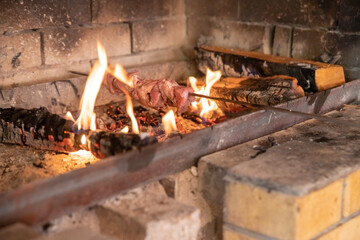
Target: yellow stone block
{"type": "Point", "coordinates": [347, 231]}
{"type": "Point", "coordinates": [352, 194]}
{"type": "Point", "coordinates": [230, 235]}
{"type": "Point", "coordinates": [280, 215]}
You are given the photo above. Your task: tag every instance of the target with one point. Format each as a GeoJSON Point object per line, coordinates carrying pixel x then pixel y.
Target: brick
{"type": "Point", "coordinates": [280, 215]}
{"type": "Point", "coordinates": [309, 13]}
{"type": "Point", "coordinates": [17, 15]}
{"type": "Point", "coordinates": [148, 216]}
{"type": "Point", "coordinates": [352, 194]}
{"type": "Point", "coordinates": [18, 231]}
{"type": "Point", "coordinates": [106, 11]}
{"type": "Point", "coordinates": [71, 45]}
{"type": "Point", "coordinates": [19, 51]}
{"type": "Point", "coordinates": [212, 170]}
{"type": "Point", "coordinates": [349, 15]}
{"type": "Point", "coordinates": [156, 34]}
{"type": "Point", "coordinates": [79, 233]}
{"type": "Point", "coordinates": [225, 34]}
{"type": "Point", "coordinates": [307, 44]}
{"type": "Point", "coordinates": [187, 191]}
{"type": "Point", "coordinates": [213, 8]}
{"type": "Point", "coordinates": [346, 231]}
{"type": "Point", "coordinates": [352, 73]}
{"type": "Point", "coordinates": [281, 44]}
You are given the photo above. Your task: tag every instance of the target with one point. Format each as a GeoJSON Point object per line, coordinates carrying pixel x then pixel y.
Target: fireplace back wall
{"type": "Point", "coordinates": [41, 40]}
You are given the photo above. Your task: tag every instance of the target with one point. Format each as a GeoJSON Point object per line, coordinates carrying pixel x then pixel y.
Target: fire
{"type": "Point", "coordinates": [87, 116]}
{"type": "Point", "coordinates": [83, 140]}
{"type": "Point", "coordinates": [120, 73]}
{"type": "Point", "coordinates": [69, 116]}
{"type": "Point", "coordinates": [130, 112]}
{"type": "Point", "coordinates": [125, 129]}
{"type": "Point", "coordinates": [206, 106]}
{"type": "Point", "coordinates": [169, 122]}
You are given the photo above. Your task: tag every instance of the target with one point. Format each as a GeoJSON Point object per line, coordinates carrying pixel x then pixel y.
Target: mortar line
{"type": "Point", "coordinates": [42, 48]}
{"type": "Point", "coordinates": [247, 232]}
{"type": "Point", "coordinates": [291, 41]}
{"type": "Point", "coordinates": [91, 7]}
{"type": "Point", "coordinates": [131, 37]}
{"type": "Point", "coordinates": [343, 198]}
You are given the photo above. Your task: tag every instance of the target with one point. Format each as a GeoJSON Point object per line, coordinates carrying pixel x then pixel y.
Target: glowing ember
{"type": "Point", "coordinates": [83, 140]}
{"type": "Point", "coordinates": [130, 112]}
{"type": "Point", "coordinates": [125, 129]}
{"type": "Point", "coordinates": [69, 116]}
{"type": "Point", "coordinates": [206, 106]}
{"type": "Point", "coordinates": [82, 153]}
{"type": "Point", "coordinates": [91, 91]}
{"type": "Point", "coordinates": [169, 122]}
{"type": "Point", "coordinates": [121, 74]}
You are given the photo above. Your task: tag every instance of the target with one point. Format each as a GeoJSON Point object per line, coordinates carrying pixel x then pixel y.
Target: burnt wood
{"type": "Point", "coordinates": [312, 76]}
{"type": "Point", "coordinates": [263, 91]}
{"type": "Point", "coordinates": [37, 128]}
{"type": "Point", "coordinates": [41, 129]}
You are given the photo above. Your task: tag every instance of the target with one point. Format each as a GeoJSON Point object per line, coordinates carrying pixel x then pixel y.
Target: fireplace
{"type": "Point", "coordinates": [47, 46]}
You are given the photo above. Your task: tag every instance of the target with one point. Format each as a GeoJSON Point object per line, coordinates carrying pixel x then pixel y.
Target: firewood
{"type": "Point", "coordinates": [264, 91]}
{"type": "Point", "coordinates": [104, 144]}
{"type": "Point", "coordinates": [41, 129]}
{"type": "Point", "coordinates": [312, 76]}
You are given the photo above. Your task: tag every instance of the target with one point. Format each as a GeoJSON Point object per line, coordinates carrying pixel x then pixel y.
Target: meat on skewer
{"type": "Point", "coordinates": [157, 94]}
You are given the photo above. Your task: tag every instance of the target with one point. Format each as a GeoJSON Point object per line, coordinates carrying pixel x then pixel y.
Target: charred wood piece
{"type": "Point", "coordinates": [105, 144]}
{"type": "Point", "coordinates": [36, 128]}
{"type": "Point", "coordinates": [312, 76]}
{"type": "Point", "coordinates": [41, 129]}
{"type": "Point", "coordinates": [264, 91]}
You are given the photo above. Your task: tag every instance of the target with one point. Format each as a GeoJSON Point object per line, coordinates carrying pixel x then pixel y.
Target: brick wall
{"type": "Point", "coordinates": [41, 40]}
{"type": "Point", "coordinates": [311, 29]}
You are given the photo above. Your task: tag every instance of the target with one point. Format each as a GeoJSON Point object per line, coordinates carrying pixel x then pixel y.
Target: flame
{"type": "Point", "coordinates": [125, 129]}
{"type": "Point", "coordinates": [82, 153]}
{"type": "Point", "coordinates": [169, 122]}
{"type": "Point", "coordinates": [130, 112]}
{"type": "Point", "coordinates": [120, 74]}
{"type": "Point", "coordinates": [69, 116]}
{"type": "Point", "coordinates": [83, 140]}
{"type": "Point", "coordinates": [206, 106]}
{"type": "Point", "coordinates": [92, 87]}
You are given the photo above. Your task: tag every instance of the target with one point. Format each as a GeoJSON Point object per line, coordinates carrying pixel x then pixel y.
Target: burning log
{"type": "Point", "coordinates": [36, 128]}
{"type": "Point", "coordinates": [41, 129]}
{"type": "Point", "coordinates": [264, 91]}
{"type": "Point", "coordinates": [312, 76]}
{"type": "Point", "coordinates": [105, 144]}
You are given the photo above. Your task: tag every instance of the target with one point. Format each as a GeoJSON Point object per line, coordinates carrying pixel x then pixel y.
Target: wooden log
{"type": "Point", "coordinates": [37, 128]}
{"type": "Point", "coordinates": [312, 76]}
{"type": "Point", "coordinates": [264, 91]}
{"type": "Point", "coordinates": [41, 129]}
{"type": "Point", "coordinates": [104, 144]}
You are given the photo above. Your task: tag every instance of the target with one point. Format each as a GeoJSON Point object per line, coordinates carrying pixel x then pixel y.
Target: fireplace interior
{"type": "Point", "coordinates": [246, 170]}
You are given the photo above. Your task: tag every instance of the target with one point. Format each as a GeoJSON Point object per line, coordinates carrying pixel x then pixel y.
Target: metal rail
{"type": "Point", "coordinates": [40, 201]}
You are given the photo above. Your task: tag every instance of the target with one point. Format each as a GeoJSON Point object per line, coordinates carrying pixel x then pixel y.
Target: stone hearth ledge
{"type": "Point", "coordinates": [299, 183]}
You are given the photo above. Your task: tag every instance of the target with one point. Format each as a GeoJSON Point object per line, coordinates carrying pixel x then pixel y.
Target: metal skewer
{"type": "Point", "coordinates": [289, 111]}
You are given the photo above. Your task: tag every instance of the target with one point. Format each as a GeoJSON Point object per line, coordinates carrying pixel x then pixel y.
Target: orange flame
{"type": "Point", "coordinates": [168, 120]}
{"type": "Point", "coordinates": [120, 74]}
{"type": "Point", "coordinates": [130, 112]}
{"type": "Point", "coordinates": [125, 129]}
{"type": "Point", "coordinates": [69, 116]}
{"type": "Point", "coordinates": [206, 106]}
{"type": "Point", "coordinates": [87, 116]}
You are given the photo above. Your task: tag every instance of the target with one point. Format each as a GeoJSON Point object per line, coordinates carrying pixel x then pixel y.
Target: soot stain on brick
{"type": "Point", "coordinates": [65, 40]}
{"type": "Point", "coordinates": [15, 62]}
